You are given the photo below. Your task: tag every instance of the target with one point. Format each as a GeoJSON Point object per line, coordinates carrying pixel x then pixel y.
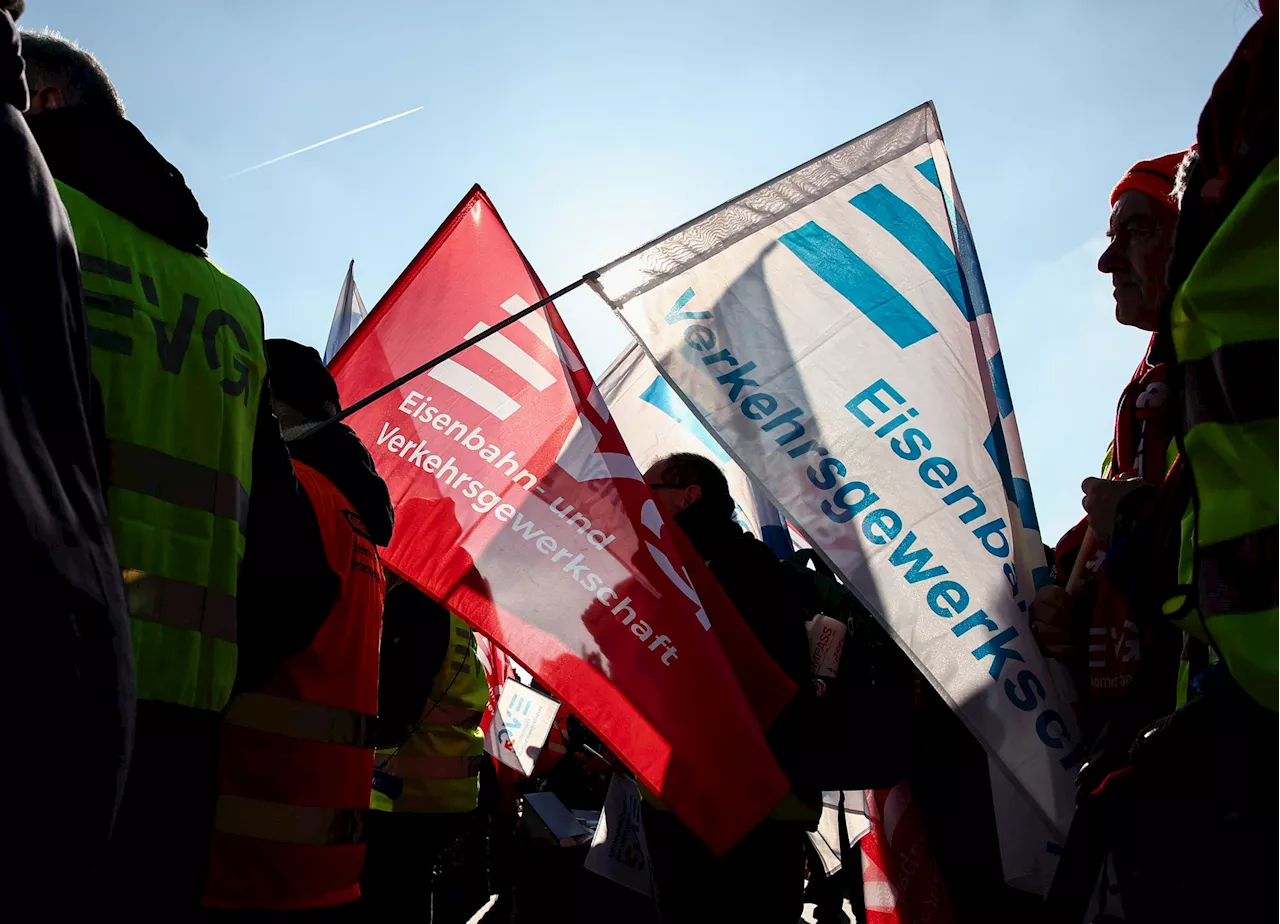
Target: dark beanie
{"type": "Point", "coordinates": [300, 379]}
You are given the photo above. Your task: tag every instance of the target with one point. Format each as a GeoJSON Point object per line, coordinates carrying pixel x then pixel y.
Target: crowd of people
{"type": "Point", "coordinates": [242, 713]}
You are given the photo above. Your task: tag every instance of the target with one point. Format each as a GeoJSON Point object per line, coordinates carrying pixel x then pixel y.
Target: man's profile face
{"type": "Point", "coordinates": [1141, 233]}
{"type": "Point", "coordinates": [671, 498]}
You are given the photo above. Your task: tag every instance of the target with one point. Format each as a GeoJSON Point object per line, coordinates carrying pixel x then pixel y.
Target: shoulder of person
{"type": "Point", "coordinates": [747, 544]}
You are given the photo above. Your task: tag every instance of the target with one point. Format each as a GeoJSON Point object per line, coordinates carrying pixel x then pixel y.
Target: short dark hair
{"type": "Point", "coordinates": [55, 61]}
{"type": "Point", "coordinates": [691, 468]}
{"type": "Point", "coordinates": [13, 7]}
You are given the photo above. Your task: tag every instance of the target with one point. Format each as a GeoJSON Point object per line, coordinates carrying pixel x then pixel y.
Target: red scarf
{"type": "Point", "coordinates": [1143, 428]}
{"type": "Point", "coordinates": [1142, 435]}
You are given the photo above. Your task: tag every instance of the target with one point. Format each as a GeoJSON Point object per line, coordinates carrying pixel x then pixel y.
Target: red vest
{"type": "Point", "coordinates": [296, 764]}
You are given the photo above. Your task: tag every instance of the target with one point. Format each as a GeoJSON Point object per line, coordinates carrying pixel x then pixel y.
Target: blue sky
{"type": "Point", "coordinates": [596, 126]}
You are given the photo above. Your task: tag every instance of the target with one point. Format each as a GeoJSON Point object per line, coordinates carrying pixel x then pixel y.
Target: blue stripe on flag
{"type": "Point", "coordinates": [660, 395]}
{"type": "Point", "coordinates": [1017, 490]}
{"type": "Point", "coordinates": [1026, 506]}
{"type": "Point", "coordinates": [975, 287]}
{"type": "Point", "coordinates": [777, 539]}
{"type": "Point", "coordinates": [995, 446]}
{"type": "Point", "coordinates": [848, 274]}
{"type": "Point", "coordinates": [1040, 576]}
{"type": "Point", "coordinates": [913, 232]}
{"type": "Point", "coordinates": [930, 171]}
{"type": "Point", "coordinates": [1000, 383]}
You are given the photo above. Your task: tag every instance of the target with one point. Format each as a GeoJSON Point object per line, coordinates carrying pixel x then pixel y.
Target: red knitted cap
{"type": "Point", "coordinates": [1154, 177]}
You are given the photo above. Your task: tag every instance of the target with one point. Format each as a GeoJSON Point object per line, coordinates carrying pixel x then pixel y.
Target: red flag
{"type": "Point", "coordinates": [901, 883]}
{"type": "Point", "coordinates": [519, 508]}
{"type": "Point", "coordinates": [497, 668]}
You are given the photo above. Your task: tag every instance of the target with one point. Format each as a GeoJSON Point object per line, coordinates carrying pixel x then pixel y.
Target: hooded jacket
{"type": "Point", "coordinates": [286, 587]}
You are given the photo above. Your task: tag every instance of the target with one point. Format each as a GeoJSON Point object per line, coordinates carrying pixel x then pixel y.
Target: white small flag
{"type": "Point", "coordinates": [520, 726]}
{"type": "Point", "coordinates": [619, 850]}
{"type": "Point", "coordinates": [347, 316]}
{"type": "Point", "coordinates": [826, 840]}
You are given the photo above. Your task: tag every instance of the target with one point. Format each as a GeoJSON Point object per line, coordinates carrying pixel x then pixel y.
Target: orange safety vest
{"type": "Point", "coordinates": [296, 764]}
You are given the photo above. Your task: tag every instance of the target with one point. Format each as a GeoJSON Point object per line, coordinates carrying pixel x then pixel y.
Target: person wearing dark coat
{"type": "Point", "coordinates": [159, 846]}
{"type": "Point", "coordinates": [72, 694]}
{"type": "Point", "coordinates": [762, 877]}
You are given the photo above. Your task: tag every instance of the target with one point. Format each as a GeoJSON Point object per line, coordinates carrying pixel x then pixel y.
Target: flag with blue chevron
{"type": "Point", "coordinates": [831, 330]}
{"type": "Point", "coordinates": [655, 422]}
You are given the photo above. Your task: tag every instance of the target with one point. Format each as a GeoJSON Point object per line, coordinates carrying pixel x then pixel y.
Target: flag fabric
{"type": "Point", "coordinates": [901, 883]}
{"type": "Point", "coordinates": [832, 330]}
{"type": "Point", "coordinates": [498, 669]}
{"type": "Point", "coordinates": [518, 508]}
{"type": "Point", "coordinates": [849, 806]}
{"type": "Point", "coordinates": [346, 316]}
{"type": "Point", "coordinates": [654, 422]}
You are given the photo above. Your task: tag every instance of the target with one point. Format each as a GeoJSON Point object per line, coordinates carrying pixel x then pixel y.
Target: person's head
{"type": "Point", "coordinates": [1144, 213]}
{"type": "Point", "coordinates": [14, 8]}
{"type": "Point", "coordinates": [302, 390]}
{"type": "Point", "coordinates": [60, 74]}
{"type": "Point", "coordinates": [681, 480]}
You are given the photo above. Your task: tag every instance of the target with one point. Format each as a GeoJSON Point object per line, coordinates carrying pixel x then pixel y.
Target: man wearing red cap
{"type": "Point", "coordinates": [1105, 623]}
{"type": "Point", "coordinates": [1093, 628]}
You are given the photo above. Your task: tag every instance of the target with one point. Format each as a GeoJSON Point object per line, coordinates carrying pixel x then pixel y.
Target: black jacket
{"type": "Point", "coordinates": [765, 591]}
{"type": "Point", "coordinates": [415, 640]}
{"type": "Point", "coordinates": [71, 694]}
{"type": "Point", "coordinates": [769, 596]}
{"type": "Point", "coordinates": [286, 587]}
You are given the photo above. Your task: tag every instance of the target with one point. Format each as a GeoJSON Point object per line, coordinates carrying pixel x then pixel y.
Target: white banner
{"type": "Point", "coordinates": [832, 329]}
{"type": "Point", "coordinates": [654, 422]}
{"type": "Point", "coordinates": [618, 849]}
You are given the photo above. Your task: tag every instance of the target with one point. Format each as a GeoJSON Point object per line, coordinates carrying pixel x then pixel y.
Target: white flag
{"type": "Point", "coordinates": [832, 329]}
{"type": "Point", "coordinates": [347, 316]}
{"type": "Point", "coordinates": [852, 804]}
{"type": "Point", "coordinates": [520, 726]}
{"type": "Point", "coordinates": [618, 849]}
{"type": "Point", "coordinates": [654, 422]}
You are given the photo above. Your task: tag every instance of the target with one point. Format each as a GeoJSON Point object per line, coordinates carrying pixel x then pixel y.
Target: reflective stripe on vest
{"type": "Point", "coordinates": [177, 348]}
{"type": "Point", "coordinates": [1224, 328]}
{"type": "Point", "coordinates": [288, 824]}
{"type": "Point", "coordinates": [432, 767]}
{"type": "Point", "coordinates": [296, 763]}
{"type": "Point", "coordinates": [452, 714]}
{"type": "Point", "coordinates": [180, 605]}
{"type": "Point", "coordinates": [297, 719]}
{"type": "Point", "coordinates": [176, 481]}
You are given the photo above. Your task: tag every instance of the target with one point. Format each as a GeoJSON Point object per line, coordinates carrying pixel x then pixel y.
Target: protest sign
{"type": "Point", "coordinates": [618, 849]}
{"type": "Point", "coordinates": [523, 721]}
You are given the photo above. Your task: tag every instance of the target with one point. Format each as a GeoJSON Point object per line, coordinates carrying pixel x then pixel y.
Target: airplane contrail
{"type": "Point", "coordinates": [312, 147]}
